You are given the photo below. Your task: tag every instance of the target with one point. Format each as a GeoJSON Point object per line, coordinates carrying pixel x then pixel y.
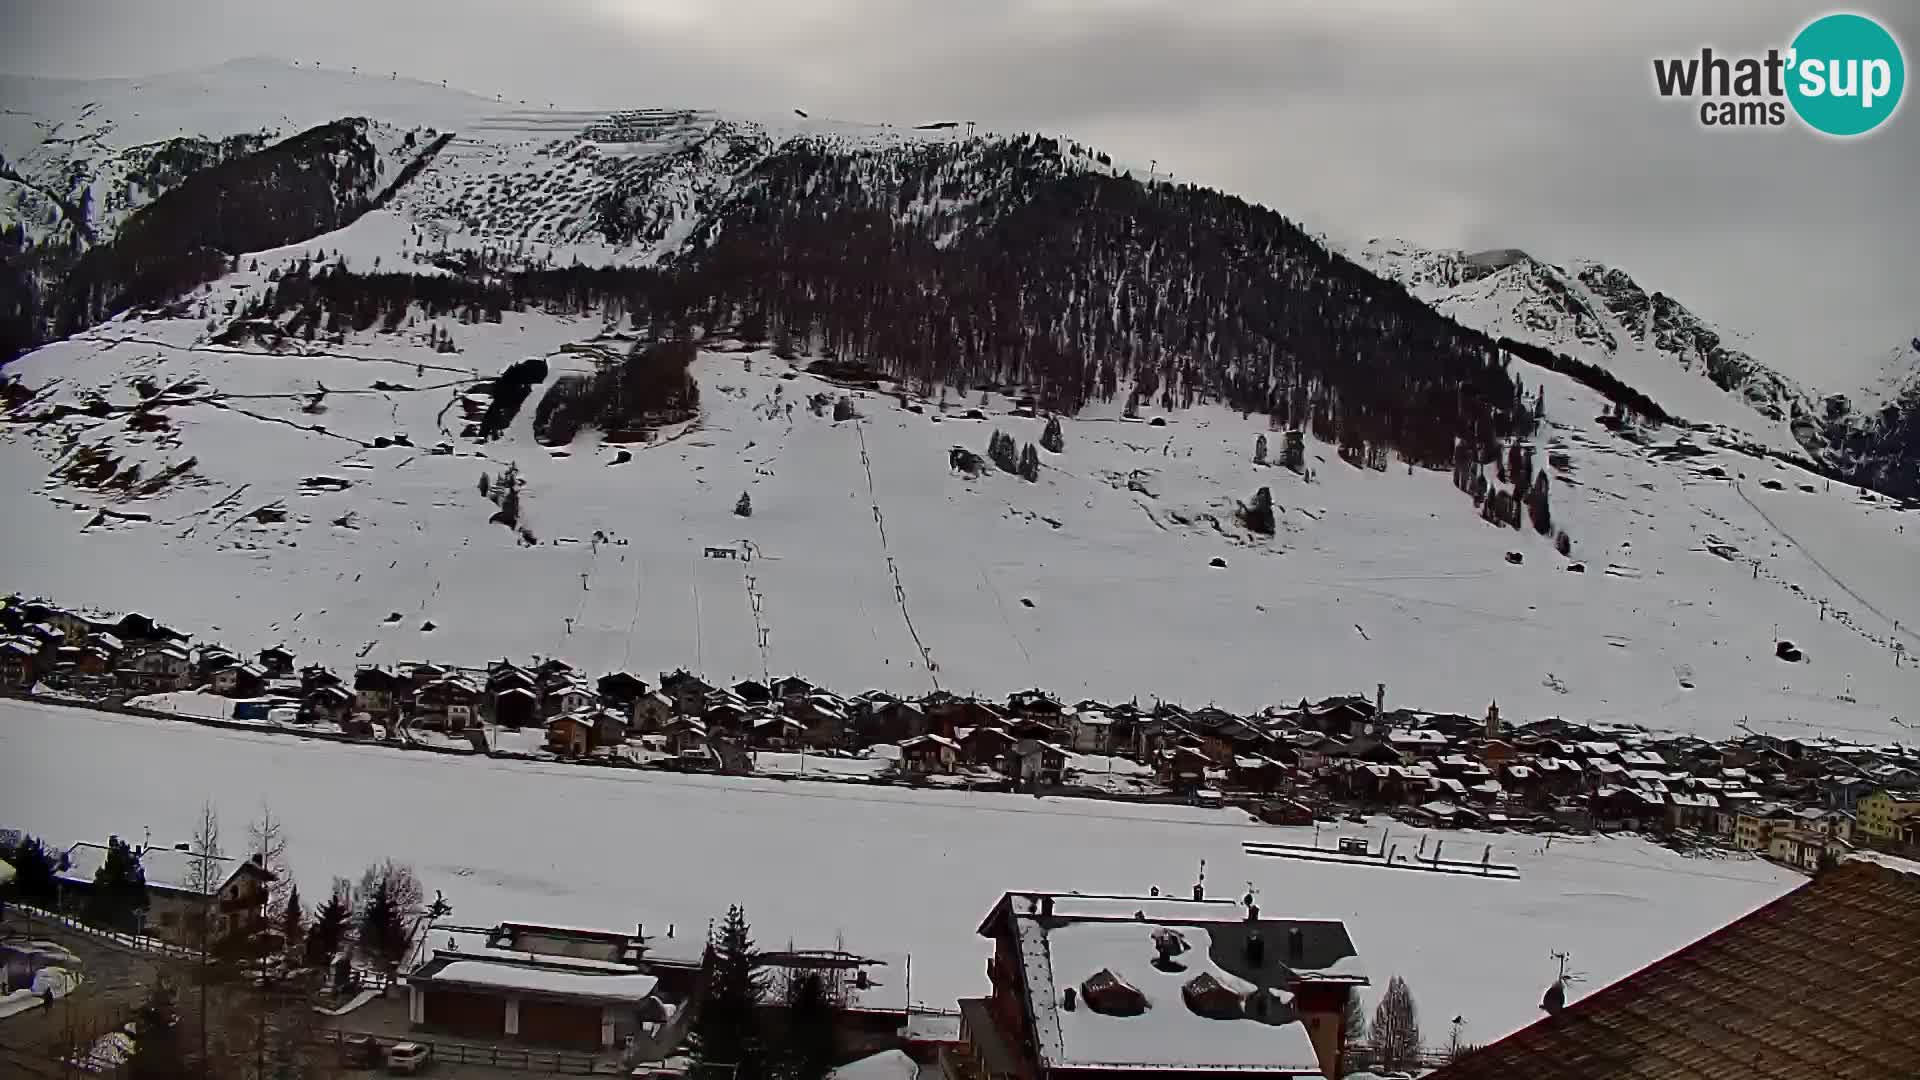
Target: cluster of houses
{"type": "Point", "coordinates": [1798, 801]}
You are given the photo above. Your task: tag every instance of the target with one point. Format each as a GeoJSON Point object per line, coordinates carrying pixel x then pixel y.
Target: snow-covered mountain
{"type": "Point", "coordinates": [330, 332]}
{"type": "Point", "coordinates": [1695, 369]}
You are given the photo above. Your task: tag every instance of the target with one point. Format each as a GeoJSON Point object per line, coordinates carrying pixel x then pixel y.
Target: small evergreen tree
{"type": "Point", "coordinates": [1260, 451]}
{"type": "Point", "coordinates": [293, 923]}
{"type": "Point", "coordinates": [383, 929]}
{"type": "Point", "coordinates": [485, 485]}
{"type": "Point", "coordinates": [744, 508]}
{"type": "Point", "coordinates": [119, 889]}
{"type": "Point", "coordinates": [807, 1051]}
{"type": "Point", "coordinates": [329, 930]}
{"type": "Point", "coordinates": [843, 409]}
{"type": "Point", "coordinates": [1537, 509]}
{"type": "Point", "coordinates": [157, 1054]}
{"type": "Point", "coordinates": [1030, 464]}
{"type": "Point", "coordinates": [1563, 543]}
{"type": "Point", "coordinates": [725, 1031]}
{"type": "Point", "coordinates": [1052, 439]}
{"type": "Point", "coordinates": [1258, 514]}
{"type": "Point", "coordinates": [1003, 453]}
{"type": "Point", "coordinates": [33, 872]}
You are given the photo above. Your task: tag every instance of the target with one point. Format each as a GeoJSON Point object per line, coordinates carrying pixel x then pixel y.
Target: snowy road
{"type": "Point", "coordinates": [893, 871]}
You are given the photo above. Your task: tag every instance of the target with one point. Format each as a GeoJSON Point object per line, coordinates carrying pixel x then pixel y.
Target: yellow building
{"type": "Point", "coordinates": [1882, 812]}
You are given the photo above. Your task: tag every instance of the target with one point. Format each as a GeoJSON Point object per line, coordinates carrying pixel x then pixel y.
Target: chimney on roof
{"type": "Point", "coordinates": [180, 847]}
{"type": "Point", "coordinates": [640, 931]}
{"type": "Point", "coordinates": [1379, 701]}
{"type": "Point", "coordinates": [1296, 944]}
{"type": "Point", "coordinates": [1046, 907]}
{"type": "Point", "coordinates": [1066, 999]}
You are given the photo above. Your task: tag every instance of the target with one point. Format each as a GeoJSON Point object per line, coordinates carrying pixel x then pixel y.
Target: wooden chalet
{"type": "Point", "coordinates": [928, 755]}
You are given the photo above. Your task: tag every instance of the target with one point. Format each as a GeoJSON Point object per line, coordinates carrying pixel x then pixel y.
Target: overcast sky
{"type": "Point", "coordinates": [1504, 123]}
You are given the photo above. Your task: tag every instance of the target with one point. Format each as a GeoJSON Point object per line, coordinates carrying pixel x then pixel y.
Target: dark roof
{"type": "Point", "coordinates": [1823, 982]}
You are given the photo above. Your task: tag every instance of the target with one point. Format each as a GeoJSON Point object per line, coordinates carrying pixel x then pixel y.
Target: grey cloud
{"type": "Point", "coordinates": [1502, 122]}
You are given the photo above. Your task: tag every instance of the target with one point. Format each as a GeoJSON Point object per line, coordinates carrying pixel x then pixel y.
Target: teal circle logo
{"type": "Point", "coordinates": [1847, 75]}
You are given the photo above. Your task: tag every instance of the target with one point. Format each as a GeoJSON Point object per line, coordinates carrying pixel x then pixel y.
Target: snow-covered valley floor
{"type": "Point", "coordinates": [891, 871]}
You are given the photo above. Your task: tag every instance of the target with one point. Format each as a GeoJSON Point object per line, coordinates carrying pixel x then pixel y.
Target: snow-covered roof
{"type": "Point", "coordinates": [1168, 1034]}
{"type": "Point", "coordinates": [885, 1065]}
{"type": "Point", "coordinates": [497, 974]}
{"type": "Point", "coordinates": [929, 740]}
{"type": "Point", "coordinates": [165, 868]}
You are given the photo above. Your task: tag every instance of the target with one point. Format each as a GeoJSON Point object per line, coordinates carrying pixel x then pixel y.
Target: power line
{"type": "Point", "coordinates": [893, 569]}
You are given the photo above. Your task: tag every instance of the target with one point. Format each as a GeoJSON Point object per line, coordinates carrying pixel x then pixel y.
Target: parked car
{"type": "Point", "coordinates": [359, 1052]}
{"type": "Point", "coordinates": [408, 1058]}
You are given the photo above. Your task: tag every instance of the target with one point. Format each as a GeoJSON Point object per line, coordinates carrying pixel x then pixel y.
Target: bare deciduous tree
{"type": "Point", "coordinates": [1356, 1020]}
{"type": "Point", "coordinates": [205, 875]}
{"type": "Point", "coordinates": [1395, 1037]}
{"type": "Point", "coordinates": [267, 846]}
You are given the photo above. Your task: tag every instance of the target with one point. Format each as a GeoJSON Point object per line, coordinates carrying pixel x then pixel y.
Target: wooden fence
{"type": "Point", "coordinates": [136, 942]}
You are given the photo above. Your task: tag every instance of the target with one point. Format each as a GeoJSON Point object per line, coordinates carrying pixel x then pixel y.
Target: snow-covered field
{"type": "Point", "coordinates": [894, 871]}
{"type": "Point", "coordinates": [1096, 581]}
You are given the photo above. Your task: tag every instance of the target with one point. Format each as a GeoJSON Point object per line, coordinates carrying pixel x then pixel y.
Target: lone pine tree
{"type": "Point", "coordinates": [119, 893]}
{"type": "Point", "coordinates": [726, 1033]}
{"type": "Point", "coordinates": [329, 932]}
{"type": "Point", "coordinates": [1258, 514]}
{"type": "Point", "coordinates": [1052, 439]}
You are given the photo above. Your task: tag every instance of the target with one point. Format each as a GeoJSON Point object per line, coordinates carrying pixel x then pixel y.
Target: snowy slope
{"type": "Point", "coordinates": [1096, 580]}
{"type": "Point", "coordinates": [890, 871]}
